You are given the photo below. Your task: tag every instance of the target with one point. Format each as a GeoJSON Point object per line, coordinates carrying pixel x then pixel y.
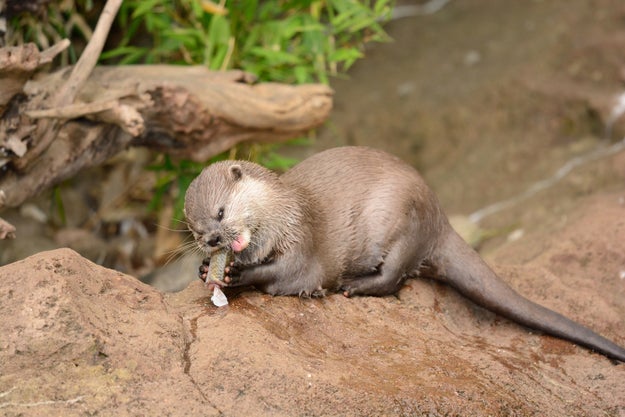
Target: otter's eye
{"type": "Point", "coordinates": [220, 214]}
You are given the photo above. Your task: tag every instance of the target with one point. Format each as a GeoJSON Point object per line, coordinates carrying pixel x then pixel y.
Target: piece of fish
{"type": "Point", "coordinates": [219, 260]}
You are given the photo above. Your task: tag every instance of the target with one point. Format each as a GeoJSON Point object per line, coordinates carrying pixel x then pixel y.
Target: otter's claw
{"type": "Point", "coordinates": [203, 269]}
{"type": "Point", "coordinates": [232, 272]}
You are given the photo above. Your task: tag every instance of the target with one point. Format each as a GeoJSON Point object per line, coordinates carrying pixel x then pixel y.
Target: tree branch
{"type": "Point", "coordinates": [48, 129]}
{"type": "Point", "coordinates": [187, 112]}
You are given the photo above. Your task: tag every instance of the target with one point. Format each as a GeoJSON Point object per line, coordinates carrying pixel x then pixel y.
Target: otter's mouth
{"type": "Point", "coordinates": [238, 244]}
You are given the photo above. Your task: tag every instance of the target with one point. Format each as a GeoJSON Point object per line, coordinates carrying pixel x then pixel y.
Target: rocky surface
{"type": "Point", "coordinates": [79, 339]}
{"type": "Point", "coordinates": [486, 98]}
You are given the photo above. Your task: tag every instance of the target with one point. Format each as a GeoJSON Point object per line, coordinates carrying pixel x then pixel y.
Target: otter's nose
{"type": "Point", "coordinates": [214, 240]}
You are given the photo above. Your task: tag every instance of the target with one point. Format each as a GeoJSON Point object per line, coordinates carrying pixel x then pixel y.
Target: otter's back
{"type": "Point", "coordinates": [358, 192]}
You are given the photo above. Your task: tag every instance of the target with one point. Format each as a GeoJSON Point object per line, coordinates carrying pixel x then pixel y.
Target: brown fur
{"type": "Point", "coordinates": [355, 220]}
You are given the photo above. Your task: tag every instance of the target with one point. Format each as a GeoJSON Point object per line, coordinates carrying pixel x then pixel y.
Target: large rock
{"type": "Point", "coordinates": [78, 339]}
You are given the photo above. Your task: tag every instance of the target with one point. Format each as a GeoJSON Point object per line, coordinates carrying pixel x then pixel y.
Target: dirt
{"type": "Point", "coordinates": [485, 98]}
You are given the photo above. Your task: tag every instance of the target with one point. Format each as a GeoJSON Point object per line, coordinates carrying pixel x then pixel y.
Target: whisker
{"type": "Point", "coordinates": [170, 229]}
{"type": "Point", "coordinates": [189, 245]}
{"type": "Point", "coordinates": [182, 221]}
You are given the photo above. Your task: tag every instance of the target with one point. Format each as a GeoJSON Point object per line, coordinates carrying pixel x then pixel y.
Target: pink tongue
{"type": "Point", "coordinates": [239, 244]}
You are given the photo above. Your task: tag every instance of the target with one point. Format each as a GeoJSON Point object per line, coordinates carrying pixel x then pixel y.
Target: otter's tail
{"type": "Point", "coordinates": [461, 267]}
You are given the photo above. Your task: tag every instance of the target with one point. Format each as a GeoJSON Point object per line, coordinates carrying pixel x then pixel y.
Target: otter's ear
{"type": "Point", "coordinates": [236, 172]}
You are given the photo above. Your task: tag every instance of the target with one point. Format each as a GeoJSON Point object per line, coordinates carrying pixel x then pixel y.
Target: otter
{"type": "Point", "coordinates": [354, 220]}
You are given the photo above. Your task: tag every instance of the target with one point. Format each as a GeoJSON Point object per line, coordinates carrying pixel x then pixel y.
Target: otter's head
{"type": "Point", "coordinates": [224, 204]}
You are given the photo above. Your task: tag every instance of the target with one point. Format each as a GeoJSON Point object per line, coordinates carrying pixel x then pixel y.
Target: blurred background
{"type": "Point", "coordinates": [514, 102]}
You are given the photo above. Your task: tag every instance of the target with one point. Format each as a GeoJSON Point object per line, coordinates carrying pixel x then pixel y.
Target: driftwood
{"type": "Point", "coordinates": [185, 111]}
{"type": "Point", "coordinates": [54, 125]}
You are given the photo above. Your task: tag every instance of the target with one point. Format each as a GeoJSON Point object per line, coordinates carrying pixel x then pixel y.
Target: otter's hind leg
{"type": "Point", "coordinates": [389, 278]}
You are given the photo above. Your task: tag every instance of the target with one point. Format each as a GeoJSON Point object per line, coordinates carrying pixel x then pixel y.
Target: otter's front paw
{"type": "Point", "coordinates": [232, 273]}
{"type": "Point", "coordinates": [203, 269]}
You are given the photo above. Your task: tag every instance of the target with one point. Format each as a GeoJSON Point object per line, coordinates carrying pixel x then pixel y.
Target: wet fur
{"type": "Point", "coordinates": [355, 220]}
